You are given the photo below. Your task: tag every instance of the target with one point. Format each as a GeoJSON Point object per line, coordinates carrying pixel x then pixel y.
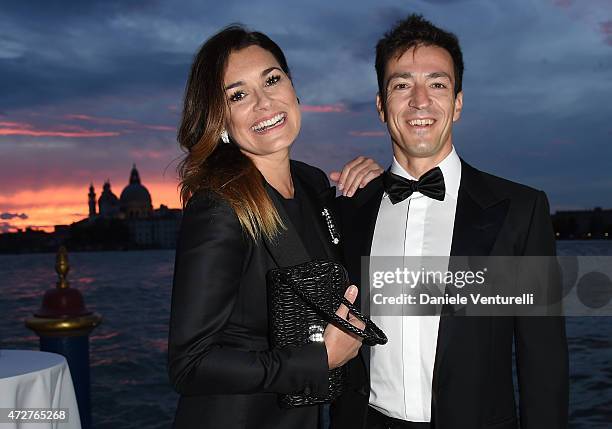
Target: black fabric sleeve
{"type": "Point", "coordinates": [541, 344]}
{"type": "Point", "coordinates": [210, 259]}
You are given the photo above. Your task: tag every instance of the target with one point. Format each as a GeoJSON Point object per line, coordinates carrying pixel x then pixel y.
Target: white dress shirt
{"type": "Point", "coordinates": [401, 371]}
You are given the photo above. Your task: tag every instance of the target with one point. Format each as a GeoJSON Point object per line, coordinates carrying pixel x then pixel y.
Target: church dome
{"type": "Point", "coordinates": [107, 196]}
{"type": "Point", "coordinates": [135, 200]}
{"type": "Point", "coordinates": [108, 202]}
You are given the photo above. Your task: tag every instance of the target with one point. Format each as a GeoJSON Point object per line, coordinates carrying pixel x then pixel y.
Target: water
{"type": "Point", "coordinates": [590, 350]}
{"type": "Point", "coordinates": [131, 290]}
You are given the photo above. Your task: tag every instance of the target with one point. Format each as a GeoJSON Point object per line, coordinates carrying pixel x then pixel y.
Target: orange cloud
{"type": "Point", "coordinates": [23, 129]}
{"type": "Point", "coordinates": [31, 133]}
{"type": "Point", "coordinates": [62, 205]}
{"type": "Point", "coordinates": [114, 121]}
{"type": "Point", "coordinates": [13, 124]}
{"type": "Point", "coordinates": [159, 128]}
{"type": "Point", "coordinates": [97, 120]}
{"type": "Point", "coordinates": [149, 154]}
{"type": "Point", "coordinates": [46, 207]}
{"type": "Point", "coordinates": [324, 108]}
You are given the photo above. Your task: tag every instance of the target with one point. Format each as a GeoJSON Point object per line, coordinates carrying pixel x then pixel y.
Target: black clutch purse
{"type": "Point", "coordinates": [303, 299]}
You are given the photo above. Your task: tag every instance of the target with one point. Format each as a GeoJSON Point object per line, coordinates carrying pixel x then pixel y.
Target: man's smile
{"type": "Point", "coordinates": [421, 123]}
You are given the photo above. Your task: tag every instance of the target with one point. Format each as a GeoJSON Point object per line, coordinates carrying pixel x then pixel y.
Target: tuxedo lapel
{"type": "Point", "coordinates": [367, 203]}
{"type": "Point", "coordinates": [478, 219]}
{"type": "Point", "coordinates": [479, 215]}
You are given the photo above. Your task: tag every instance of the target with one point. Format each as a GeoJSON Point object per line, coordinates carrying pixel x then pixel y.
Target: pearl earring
{"type": "Point", "coordinates": [225, 136]}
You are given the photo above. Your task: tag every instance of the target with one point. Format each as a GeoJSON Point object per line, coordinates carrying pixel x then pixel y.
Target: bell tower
{"type": "Point", "coordinates": [92, 202]}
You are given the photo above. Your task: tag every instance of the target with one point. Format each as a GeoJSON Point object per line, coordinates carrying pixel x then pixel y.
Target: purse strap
{"type": "Point", "coordinates": [371, 334]}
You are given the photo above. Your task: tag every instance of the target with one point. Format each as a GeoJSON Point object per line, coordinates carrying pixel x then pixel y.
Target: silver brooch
{"type": "Point", "coordinates": [330, 226]}
{"type": "Point", "coordinates": [315, 333]}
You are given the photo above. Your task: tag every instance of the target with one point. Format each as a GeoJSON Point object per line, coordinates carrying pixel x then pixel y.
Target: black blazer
{"type": "Point", "coordinates": [472, 380]}
{"type": "Point", "coordinates": [219, 355]}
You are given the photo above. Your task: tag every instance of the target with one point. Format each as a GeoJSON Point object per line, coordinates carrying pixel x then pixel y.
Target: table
{"type": "Point", "coordinates": [34, 379]}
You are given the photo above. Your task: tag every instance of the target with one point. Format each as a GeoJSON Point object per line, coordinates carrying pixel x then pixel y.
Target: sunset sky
{"type": "Point", "coordinates": [89, 88]}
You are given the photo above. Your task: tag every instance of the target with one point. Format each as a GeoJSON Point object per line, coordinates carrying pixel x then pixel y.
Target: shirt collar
{"type": "Point", "coordinates": [451, 170]}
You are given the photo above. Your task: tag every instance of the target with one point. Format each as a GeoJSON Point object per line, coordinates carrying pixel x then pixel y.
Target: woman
{"type": "Point", "coordinates": [245, 197]}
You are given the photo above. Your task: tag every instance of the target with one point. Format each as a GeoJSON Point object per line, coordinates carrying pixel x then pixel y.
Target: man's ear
{"type": "Point", "coordinates": [380, 108]}
{"type": "Point", "coordinates": [458, 106]}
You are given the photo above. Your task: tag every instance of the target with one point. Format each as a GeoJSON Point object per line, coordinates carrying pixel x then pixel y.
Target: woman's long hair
{"type": "Point", "coordinates": [209, 163]}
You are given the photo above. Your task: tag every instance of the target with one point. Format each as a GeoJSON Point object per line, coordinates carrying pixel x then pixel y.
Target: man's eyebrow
{"type": "Point", "coordinates": [240, 82]}
{"type": "Point", "coordinates": [438, 74]}
{"type": "Point", "coordinates": [405, 75]}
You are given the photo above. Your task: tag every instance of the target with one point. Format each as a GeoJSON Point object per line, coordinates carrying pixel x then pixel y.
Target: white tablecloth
{"type": "Point", "coordinates": [34, 379]}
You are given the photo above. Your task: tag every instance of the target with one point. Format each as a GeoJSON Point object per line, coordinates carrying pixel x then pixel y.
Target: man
{"type": "Point", "coordinates": [445, 372]}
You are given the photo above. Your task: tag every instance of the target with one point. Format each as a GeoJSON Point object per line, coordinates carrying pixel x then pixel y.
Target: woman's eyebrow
{"type": "Point", "coordinates": [268, 70]}
{"type": "Point", "coordinates": [240, 82]}
{"type": "Point", "coordinates": [234, 85]}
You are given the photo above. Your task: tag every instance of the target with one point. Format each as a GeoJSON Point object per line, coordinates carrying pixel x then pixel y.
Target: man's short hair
{"type": "Point", "coordinates": [408, 33]}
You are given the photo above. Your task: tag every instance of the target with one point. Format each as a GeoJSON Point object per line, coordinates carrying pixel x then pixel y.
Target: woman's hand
{"type": "Point", "coordinates": [356, 174]}
{"type": "Point", "coordinates": [342, 347]}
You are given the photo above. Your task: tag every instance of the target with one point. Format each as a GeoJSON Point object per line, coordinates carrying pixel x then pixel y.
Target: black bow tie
{"type": "Point", "coordinates": [431, 184]}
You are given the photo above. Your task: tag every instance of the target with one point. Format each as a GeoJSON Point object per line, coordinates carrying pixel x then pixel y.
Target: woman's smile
{"type": "Point", "coordinates": [267, 124]}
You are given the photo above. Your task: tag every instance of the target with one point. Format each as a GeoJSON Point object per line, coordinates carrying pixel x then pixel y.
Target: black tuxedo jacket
{"type": "Point", "coordinates": [472, 380]}
{"type": "Point", "coordinates": [219, 354]}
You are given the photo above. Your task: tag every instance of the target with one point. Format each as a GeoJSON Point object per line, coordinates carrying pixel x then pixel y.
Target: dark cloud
{"type": "Point", "coordinates": [7, 216]}
{"type": "Point", "coordinates": [6, 227]}
{"type": "Point", "coordinates": [41, 11]}
{"type": "Point", "coordinates": [33, 81]}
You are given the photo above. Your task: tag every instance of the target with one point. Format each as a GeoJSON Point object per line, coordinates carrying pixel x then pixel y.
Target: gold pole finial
{"type": "Point", "coordinates": [62, 267]}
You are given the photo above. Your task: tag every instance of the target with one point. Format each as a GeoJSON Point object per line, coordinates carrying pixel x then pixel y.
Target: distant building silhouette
{"type": "Point", "coordinates": [130, 222]}
{"type": "Point", "coordinates": [583, 224]}
{"type": "Point", "coordinates": [92, 201]}
{"type": "Point", "coordinates": [108, 202]}
{"type": "Point", "coordinates": [135, 200]}
{"type": "Point", "coordinates": [127, 222]}
{"type": "Point", "coordinates": [146, 227]}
